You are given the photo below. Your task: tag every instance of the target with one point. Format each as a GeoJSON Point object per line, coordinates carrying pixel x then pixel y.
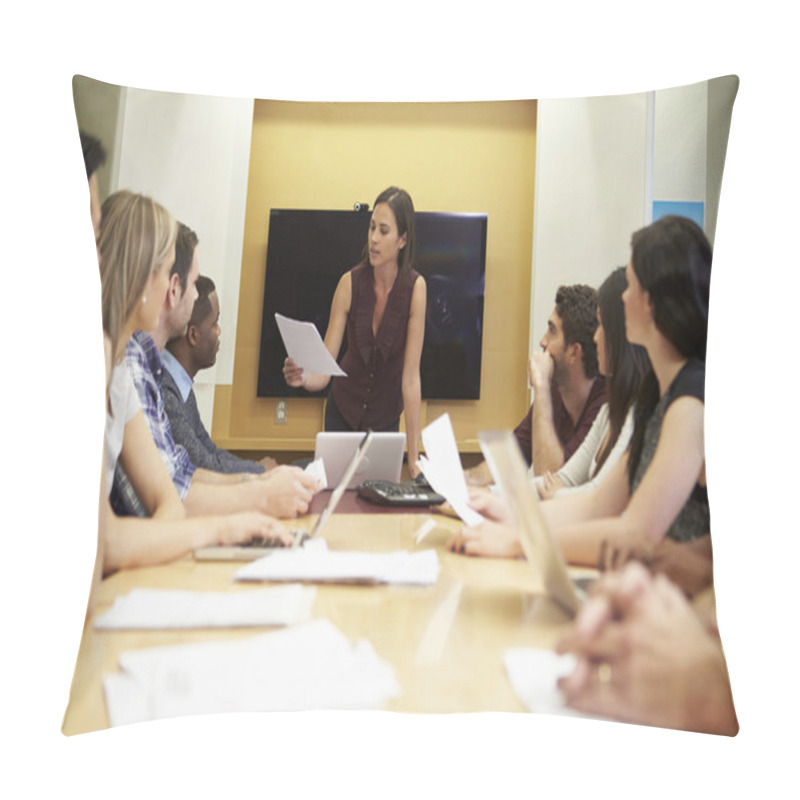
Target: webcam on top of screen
{"type": "Point", "coordinates": [360, 206]}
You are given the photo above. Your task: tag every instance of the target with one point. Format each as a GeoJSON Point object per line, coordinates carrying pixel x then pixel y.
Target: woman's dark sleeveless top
{"type": "Point", "coordinates": [371, 395]}
{"type": "Point", "coordinates": [694, 518]}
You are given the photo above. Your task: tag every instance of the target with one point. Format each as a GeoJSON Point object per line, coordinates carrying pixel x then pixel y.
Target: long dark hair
{"type": "Point", "coordinates": [399, 200]}
{"type": "Point", "coordinates": [672, 261]}
{"type": "Point", "coordinates": [626, 363]}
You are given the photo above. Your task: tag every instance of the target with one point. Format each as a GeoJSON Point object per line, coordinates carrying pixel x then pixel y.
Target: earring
{"type": "Point", "coordinates": [144, 299]}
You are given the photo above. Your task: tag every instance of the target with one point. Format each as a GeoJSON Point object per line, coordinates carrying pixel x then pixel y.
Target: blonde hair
{"type": "Point", "coordinates": [136, 235]}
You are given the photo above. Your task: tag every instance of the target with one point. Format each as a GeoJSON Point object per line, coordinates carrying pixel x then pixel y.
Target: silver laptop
{"type": "Point", "coordinates": [510, 472]}
{"type": "Point", "coordinates": [259, 549]}
{"type": "Point", "coordinates": [337, 448]}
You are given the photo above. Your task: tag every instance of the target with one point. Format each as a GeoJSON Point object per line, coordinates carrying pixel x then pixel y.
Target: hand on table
{"type": "Point", "coordinates": [689, 565]}
{"type": "Point", "coordinates": [247, 525]}
{"type": "Point", "coordinates": [643, 656]}
{"type": "Point", "coordinates": [487, 539]}
{"type": "Point", "coordinates": [496, 536]}
{"type": "Point", "coordinates": [615, 553]}
{"type": "Point", "coordinates": [550, 485]}
{"type": "Point", "coordinates": [268, 462]}
{"type": "Point", "coordinates": [491, 506]}
{"type": "Point", "coordinates": [289, 490]}
{"type": "Point", "coordinates": [479, 475]}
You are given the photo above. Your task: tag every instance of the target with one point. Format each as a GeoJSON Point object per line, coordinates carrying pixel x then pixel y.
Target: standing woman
{"type": "Point", "coordinates": [381, 304]}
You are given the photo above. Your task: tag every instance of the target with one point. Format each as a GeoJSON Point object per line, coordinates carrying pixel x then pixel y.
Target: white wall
{"type": "Point", "coordinates": [601, 161]}
{"type": "Point", "coordinates": [191, 153]}
{"type": "Point", "coordinates": [592, 175]}
{"type": "Point", "coordinates": [721, 95]}
{"type": "Point", "coordinates": [600, 164]}
{"type": "Point", "coordinates": [97, 109]}
{"type": "Point", "coordinates": [679, 143]}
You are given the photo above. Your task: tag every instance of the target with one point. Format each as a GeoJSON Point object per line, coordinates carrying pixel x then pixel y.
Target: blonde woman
{"type": "Point", "coordinates": [136, 250]}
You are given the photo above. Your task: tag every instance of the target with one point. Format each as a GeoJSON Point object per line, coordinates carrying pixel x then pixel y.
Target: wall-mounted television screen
{"type": "Point", "coordinates": [308, 251]}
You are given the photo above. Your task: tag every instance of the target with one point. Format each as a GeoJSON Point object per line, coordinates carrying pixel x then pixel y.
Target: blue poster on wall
{"type": "Point", "coordinates": [694, 211]}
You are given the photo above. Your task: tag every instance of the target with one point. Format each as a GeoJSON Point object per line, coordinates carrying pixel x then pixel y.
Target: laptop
{"type": "Point", "coordinates": [510, 472]}
{"type": "Point", "coordinates": [260, 548]}
{"type": "Point", "coordinates": [337, 448]}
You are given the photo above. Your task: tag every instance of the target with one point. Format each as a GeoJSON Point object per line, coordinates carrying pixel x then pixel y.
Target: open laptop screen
{"type": "Point", "coordinates": [251, 553]}
{"type": "Point", "coordinates": [541, 550]}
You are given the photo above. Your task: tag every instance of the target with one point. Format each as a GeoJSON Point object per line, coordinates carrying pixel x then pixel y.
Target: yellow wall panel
{"type": "Point", "coordinates": [456, 157]}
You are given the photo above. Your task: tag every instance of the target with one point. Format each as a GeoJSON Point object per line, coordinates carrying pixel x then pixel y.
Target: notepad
{"type": "Point", "coordinates": [315, 563]}
{"type": "Point", "coordinates": [305, 667]}
{"type": "Point", "coordinates": [173, 608]}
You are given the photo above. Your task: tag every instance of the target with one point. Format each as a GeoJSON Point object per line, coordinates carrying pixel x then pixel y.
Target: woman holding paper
{"type": "Point", "coordinates": [381, 305]}
{"type": "Point", "coordinates": [136, 250]}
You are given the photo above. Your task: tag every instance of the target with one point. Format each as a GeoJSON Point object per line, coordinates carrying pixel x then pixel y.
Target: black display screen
{"type": "Point", "coordinates": [308, 251]}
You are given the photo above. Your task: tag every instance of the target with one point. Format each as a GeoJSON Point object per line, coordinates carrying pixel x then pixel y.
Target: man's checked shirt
{"type": "Point", "coordinates": [144, 362]}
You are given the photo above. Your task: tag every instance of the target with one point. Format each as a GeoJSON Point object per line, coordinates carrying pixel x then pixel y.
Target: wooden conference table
{"type": "Point", "coordinates": [446, 642]}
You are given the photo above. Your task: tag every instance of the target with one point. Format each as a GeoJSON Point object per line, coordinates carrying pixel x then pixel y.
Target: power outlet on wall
{"type": "Point", "coordinates": [281, 412]}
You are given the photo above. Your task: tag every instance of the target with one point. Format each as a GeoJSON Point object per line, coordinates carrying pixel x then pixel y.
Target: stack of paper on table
{"type": "Point", "coordinates": [172, 608]}
{"type": "Point", "coordinates": [306, 667]}
{"type": "Point", "coordinates": [314, 562]}
{"type": "Point", "coordinates": [534, 674]}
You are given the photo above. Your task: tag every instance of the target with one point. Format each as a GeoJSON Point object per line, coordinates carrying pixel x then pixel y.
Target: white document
{"type": "Point", "coordinates": [314, 562]}
{"type": "Point", "coordinates": [534, 674]}
{"type": "Point", "coordinates": [441, 466]}
{"type": "Point", "coordinates": [305, 347]}
{"type": "Point", "coordinates": [173, 608]}
{"type": "Point", "coordinates": [306, 667]}
{"type": "Point", "coordinates": [316, 469]}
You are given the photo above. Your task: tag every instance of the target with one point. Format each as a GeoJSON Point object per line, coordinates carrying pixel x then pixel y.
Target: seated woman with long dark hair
{"type": "Point", "coordinates": [624, 365]}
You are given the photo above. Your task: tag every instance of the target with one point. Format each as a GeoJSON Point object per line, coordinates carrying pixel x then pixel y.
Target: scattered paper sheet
{"type": "Point", "coordinates": [314, 562]}
{"type": "Point", "coordinates": [306, 667]}
{"type": "Point", "coordinates": [534, 673]}
{"type": "Point", "coordinates": [173, 608]}
{"type": "Point", "coordinates": [305, 346]}
{"type": "Point", "coordinates": [441, 467]}
{"type": "Point", "coordinates": [316, 469]}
